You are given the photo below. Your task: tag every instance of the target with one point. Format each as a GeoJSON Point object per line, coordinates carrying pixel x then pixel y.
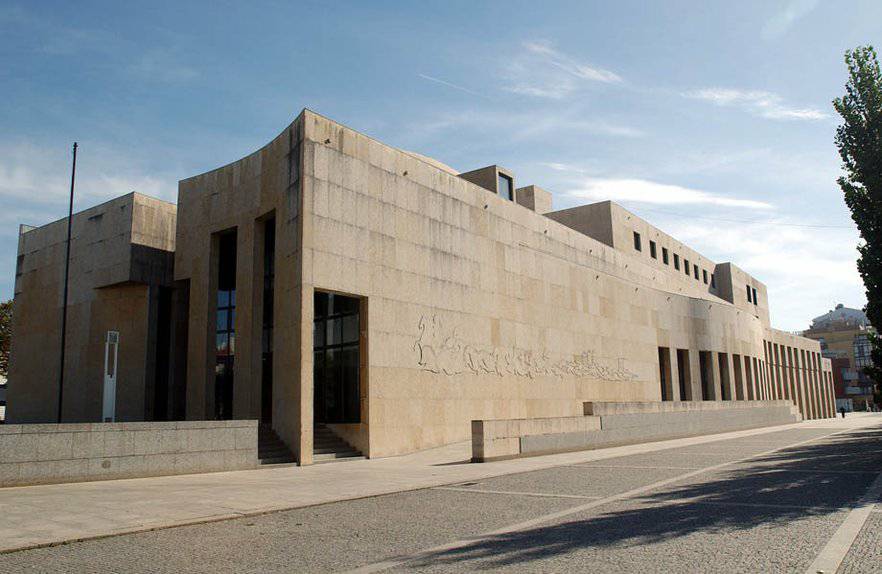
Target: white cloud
{"type": "Point", "coordinates": [781, 22]}
{"type": "Point", "coordinates": [524, 126]}
{"type": "Point", "coordinates": [35, 180]}
{"type": "Point", "coordinates": [570, 65]}
{"type": "Point", "coordinates": [541, 71]}
{"type": "Point", "coordinates": [757, 102]}
{"type": "Point", "coordinates": [650, 192]}
{"type": "Point", "coordinates": [450, 85]}
{"type": "Point", "coordinates": [806, 271]}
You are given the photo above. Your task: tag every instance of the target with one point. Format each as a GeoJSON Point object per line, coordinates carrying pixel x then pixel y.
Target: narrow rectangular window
{"type": "Point", "coordinates": [269, 279]}
{"type": "Point", "coordinates": [637, 244]}
{"type": "Point", "coordinates": [506, 187]}
{"type": "Point", "coordinates": [704, 275]}
{"type": "Point", "coordinates": [686, 266]}
{"type": "Point", "coordinates": [749, 300]}
{"type": "Point", "coordinates": [652, 252]}
{"type": "Point", "coordinates": [665, 255]}
{"type": "Point", "coordinates": [225, 320]}
{"type": "Point", "coordinates": [695, 270]}
{"type": "Point", "coordinates": [754, 296]}
{"type": "Point", "coordinates": [713, 281]}
{"type": "Point", "coordinates": [676, 262]}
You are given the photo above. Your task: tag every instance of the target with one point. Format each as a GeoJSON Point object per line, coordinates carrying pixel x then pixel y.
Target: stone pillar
{"type": "Point", "coordinates": [750, 386]}
{"type": "Point", "coordinates": [729, 379]}
{"type": "Point", "coordinates": [713, 375]}
{"type": "Point", "coordinates": [695, 375]}
{"type": "Point", "coordinates": [675, 374]}
{"type": "Point", "coordinates": [738, 378]}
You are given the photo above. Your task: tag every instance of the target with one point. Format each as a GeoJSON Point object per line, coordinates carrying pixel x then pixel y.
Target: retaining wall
{"type": "Point", "coordinates": [616, 424]}
{"type": "Point", "coordinates": [52, 453]}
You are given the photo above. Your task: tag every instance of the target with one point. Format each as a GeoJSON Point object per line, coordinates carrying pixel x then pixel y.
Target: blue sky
{"type": "Point", "coordinates": [712, 120]}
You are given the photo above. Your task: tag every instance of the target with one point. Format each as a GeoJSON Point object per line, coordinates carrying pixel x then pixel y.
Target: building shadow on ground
{"type": "Point", "coordinates": [776, 489]}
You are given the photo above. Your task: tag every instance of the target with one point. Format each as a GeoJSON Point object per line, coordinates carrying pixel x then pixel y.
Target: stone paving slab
{"type": "Point", "coordinates": [638, 537]}
{"type": "Point", "coordinates": [577, 480]}
{"type": "Point", "coordinates": [722, 519]}
{"type": "Point", "coordinates": [54, 513]}
{"type": "Point", "coordinates": [745, 485]}
{"type": "Point", "coordinates": [865, 555]}
{"type": "Point", "coordinates": [316, 539]}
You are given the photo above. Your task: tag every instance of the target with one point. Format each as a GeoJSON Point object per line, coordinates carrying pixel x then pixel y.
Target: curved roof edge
{"type": "Point", "coordinates": [244, 157]}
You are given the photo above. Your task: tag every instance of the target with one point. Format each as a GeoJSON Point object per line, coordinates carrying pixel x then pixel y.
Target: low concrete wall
{"type": "Point", "coordinates": [52, 453]}
{"type": "Point", "coordinates": [616, 424]}
{"type": "Point", "coordinates": [496, 439]}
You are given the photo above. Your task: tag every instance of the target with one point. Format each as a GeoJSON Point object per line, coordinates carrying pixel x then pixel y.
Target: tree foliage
{"type": "Point", "coordinates": [5, 335]}
{"type": "Point", "coordinates": [859, 140]}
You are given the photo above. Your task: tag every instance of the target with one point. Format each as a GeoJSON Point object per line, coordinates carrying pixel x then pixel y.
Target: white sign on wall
{"type": "Point", "coordinates": [111, 347]}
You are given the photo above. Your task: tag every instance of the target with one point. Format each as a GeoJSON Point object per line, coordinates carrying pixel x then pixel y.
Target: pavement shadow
{"type": "Point", "coordinates": [778, 488]}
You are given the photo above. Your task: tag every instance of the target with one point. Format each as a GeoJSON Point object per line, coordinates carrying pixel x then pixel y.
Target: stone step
{"type": "Point", "coordinates": [285, 459]}
{"type": "Point", "coordinates": [270, 448]}
{"type": "Point", "coordinates": [330, 449]}
{"type": "Point", "coordinates": [336, 455]}
{"type": "Point", "coordinates": [317, 460]}
{"type": "Point", "coordinates": [331, 446]}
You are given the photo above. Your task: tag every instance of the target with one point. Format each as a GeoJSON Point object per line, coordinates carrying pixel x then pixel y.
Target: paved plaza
{"type": "Point", "coordinates": [796, 498]}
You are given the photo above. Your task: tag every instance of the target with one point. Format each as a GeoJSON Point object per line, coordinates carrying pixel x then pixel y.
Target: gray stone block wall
{"type": "Point", "coordinates": [628, 423]}
{"type": "Point", "coordinates": [51, 453]}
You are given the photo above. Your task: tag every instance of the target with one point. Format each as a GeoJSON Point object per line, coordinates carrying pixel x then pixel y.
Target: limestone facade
{"type": "Point", "coordinates": [471, 306]}
{"type": "Point", "coordinates": [120, 277]}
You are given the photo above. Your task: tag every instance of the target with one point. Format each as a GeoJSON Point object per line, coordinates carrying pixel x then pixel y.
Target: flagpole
{"type": "Point", "coordinates": [73, 173]}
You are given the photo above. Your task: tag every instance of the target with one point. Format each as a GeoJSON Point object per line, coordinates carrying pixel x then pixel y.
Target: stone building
{"type": "Point", "coordinates": [328, 283]}
{"type": "Point", "coordinates": [843, 335]}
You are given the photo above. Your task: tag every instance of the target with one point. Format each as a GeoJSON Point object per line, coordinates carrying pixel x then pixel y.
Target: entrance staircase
{"type": "Point", "coordinates": [328, 447]}
{"type": "Point", "coordinates": [270, 448]}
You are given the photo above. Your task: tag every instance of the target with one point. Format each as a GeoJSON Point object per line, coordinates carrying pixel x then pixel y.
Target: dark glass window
{"type": "Point", "coordinates": [704, 275]}
{"type": "Point", "coordinates": [637, 244]}
{"type": "Point", "coordinates": [336, 358]}
{"type": "Point", "coordinates": [665, 255]}
{"type": "Point", "coordinates": [686, 266]}
{"type": "Point", "coordinates": [266, 341]}
{"type": "Point", "coordinates": [652, 252]}
{"type": "Point", "coordinates": [676, 262]}
{"type": "Point", "coordinates": [749, 300]}
{"type": "Point", "coordinates": [695, 271]}
{"type": "Point", "coordinates": [225, 321]}
{"type": "Point", "coordinates": [754, 296]}
{"type": "Point", "coordinates": [713, 281]}
{"type": "Point", "coordinates": [506, 187]}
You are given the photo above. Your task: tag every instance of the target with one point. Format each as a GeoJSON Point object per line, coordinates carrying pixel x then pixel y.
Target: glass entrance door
{"type": "Point", "coordinates": [336, 359]}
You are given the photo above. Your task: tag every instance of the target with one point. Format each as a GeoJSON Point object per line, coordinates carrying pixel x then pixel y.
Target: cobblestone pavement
{"type": "Point", "coordinates": [763, 503]}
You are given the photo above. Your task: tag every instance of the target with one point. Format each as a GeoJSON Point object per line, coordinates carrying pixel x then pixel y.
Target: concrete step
{"type": "Point", "coordinates": [330, 449]}
{"type": "Point", "coordinates": [335, 455]}
{"type": "Point", "coordinates": [317, 460]}
{"type": "Point", "coordinates": [270, 448]}
{"type": "Point", "coordinates": [270, 452]}
{"type": "Point", "coordinates": [285, 459]}
{"type": "Point", "coordinates": [327, 441]}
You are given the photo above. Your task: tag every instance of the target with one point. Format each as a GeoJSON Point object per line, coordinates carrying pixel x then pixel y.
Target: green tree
{"type": "Point", "coordinates": [5, 335]}
{"type": "Point", "coordinates": [859, 140]}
